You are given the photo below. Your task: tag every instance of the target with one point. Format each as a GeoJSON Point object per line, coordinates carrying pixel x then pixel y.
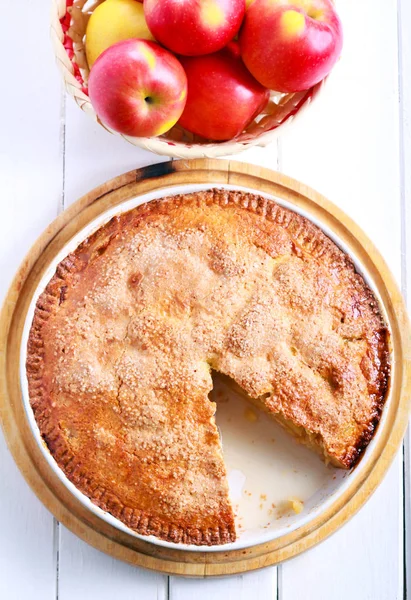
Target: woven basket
{"type": "Point", "coordinates": [68, 26]}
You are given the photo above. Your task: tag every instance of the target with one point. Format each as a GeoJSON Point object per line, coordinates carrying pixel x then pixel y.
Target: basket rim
{"type": "Point", "coordinates": [160, 145]}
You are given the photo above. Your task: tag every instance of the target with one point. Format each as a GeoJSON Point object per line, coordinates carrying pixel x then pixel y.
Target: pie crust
{"type": "Point", "coordinates": [128, 330]}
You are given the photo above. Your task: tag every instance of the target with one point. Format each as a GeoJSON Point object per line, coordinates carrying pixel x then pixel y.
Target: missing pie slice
{"type": "Point", "coordinates": [126, 334]}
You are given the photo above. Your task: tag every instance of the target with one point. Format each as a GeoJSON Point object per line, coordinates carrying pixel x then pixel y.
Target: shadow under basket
{"type": "Point", "coordinates": [68, 28]}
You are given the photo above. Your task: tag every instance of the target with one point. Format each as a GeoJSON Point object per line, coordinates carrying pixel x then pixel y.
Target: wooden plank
{"type": "Point", "coordinates": [31, 181]}
{"type": "Point", "coordinates": [99, 166]}
{"type": "Point", "coordinates": [263, 157]}
{"type": "Point", "coordinates": [26, 542]}
{"type": "Point", "coordinates": [237, 586]}
{"type": "Point", "coordinates": [92, 156]}
{"type": "Point", "coordinates": [87, 573]}
{"type": "Point", "coordinates": [354, 128]}
{"type": "Point", "coordinates": [260, 584]}
{"type": "Point", "coordinates": [404, 24]}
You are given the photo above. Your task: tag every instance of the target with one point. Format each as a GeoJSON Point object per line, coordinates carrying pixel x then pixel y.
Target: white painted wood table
{"type": "Point", "coordinates": [355, 147]}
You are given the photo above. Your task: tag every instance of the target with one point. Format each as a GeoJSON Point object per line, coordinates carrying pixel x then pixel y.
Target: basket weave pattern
{"type": "Point", "coordinates": [68, 26]}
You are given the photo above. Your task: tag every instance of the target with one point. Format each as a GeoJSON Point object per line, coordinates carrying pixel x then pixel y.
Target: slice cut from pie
{"type": "Point", "coordinates": [126, 334]}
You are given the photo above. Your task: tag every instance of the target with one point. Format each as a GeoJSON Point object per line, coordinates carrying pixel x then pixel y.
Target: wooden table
{"type": "Point", "coordinates": [355, 147]}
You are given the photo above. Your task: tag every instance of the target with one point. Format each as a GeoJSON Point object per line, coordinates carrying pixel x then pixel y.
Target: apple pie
{"type": "Point", "coordinates": [129, 329]}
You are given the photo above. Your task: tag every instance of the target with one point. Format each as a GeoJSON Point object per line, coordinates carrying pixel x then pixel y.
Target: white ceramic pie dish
{"type": "Point", "coordinates": [261, 473]}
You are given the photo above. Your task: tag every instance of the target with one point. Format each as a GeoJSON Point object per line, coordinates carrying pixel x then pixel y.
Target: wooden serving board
{"type": "Point", "coordinates": [52, 491]}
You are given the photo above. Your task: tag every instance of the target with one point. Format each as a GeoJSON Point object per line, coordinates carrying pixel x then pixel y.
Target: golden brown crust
{"type": "Point", "coordinates": [125, 333]}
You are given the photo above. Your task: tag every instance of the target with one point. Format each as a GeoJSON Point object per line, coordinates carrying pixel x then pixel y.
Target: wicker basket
{"type": "Point", "coordinates": [68, 26]}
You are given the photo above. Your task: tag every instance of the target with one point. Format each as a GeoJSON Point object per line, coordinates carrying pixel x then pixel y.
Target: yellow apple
{"type": "Point", "coordinates": [114, 21]}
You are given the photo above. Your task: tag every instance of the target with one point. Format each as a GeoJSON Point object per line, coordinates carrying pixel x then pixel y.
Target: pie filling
{"type": "Point", "coordinates": [127, 331]}
{"type": "Point", "coordinates": [305, 437]}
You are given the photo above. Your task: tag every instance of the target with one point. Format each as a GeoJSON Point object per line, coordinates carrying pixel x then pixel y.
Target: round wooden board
{"type": "Point", "coordinates": [56, 496]}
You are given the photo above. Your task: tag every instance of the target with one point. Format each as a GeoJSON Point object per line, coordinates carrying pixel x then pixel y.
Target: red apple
{"type": "Point", "coordinates": [138, 88]}
{"type": "Point", "coordinates": [194, 27]}
{"type": "Point", "coordinates": [290, 45]}
{"type": "Point", "coordinates": [223, 98]}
